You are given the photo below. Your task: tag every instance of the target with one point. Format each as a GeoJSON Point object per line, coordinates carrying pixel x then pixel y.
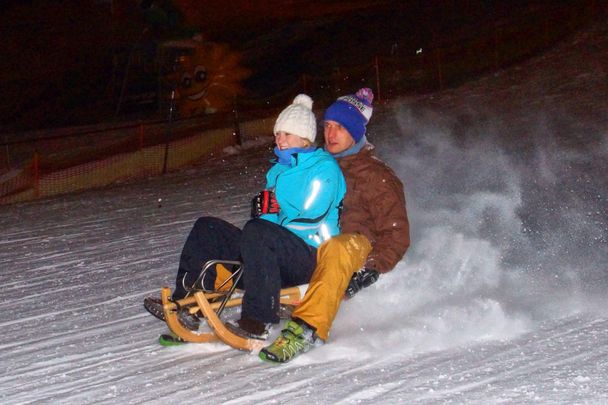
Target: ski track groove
{"type": "Point", "coordinates": [37, 344]}
{"type": "Point", "coordinates": [100, 303]}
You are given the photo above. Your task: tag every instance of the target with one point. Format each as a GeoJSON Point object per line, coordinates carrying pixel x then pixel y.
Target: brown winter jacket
{"type": "Point", "coordinates": [374, 206]}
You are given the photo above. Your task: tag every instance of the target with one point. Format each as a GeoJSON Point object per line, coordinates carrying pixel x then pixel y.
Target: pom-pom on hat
{"type": "Point", "coordinates": [352, 112]}
{"type": "Point", "coordinates": [298, 119]}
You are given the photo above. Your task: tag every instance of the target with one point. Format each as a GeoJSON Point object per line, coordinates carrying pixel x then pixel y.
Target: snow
{"type": "Point", "coordinates": [501, 298]}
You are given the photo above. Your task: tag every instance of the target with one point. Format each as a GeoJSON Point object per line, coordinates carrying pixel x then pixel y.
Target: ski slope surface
{"type": "Point", "coordinates": [500, 299]}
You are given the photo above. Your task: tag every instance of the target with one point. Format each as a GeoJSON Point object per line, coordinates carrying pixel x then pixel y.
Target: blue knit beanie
{"type": "Point", "coordinates": [352, 112]}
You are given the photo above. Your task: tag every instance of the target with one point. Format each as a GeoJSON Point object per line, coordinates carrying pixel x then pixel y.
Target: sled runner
{"type": "Point", "coordinates": [211, 304]}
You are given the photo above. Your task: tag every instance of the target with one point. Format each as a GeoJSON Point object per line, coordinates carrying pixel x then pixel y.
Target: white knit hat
{"type": "Point", "coordinates": [298, 119]}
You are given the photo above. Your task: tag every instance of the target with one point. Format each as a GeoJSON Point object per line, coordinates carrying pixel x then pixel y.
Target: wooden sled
{"type": "Point", "coordinates": [210, 304]}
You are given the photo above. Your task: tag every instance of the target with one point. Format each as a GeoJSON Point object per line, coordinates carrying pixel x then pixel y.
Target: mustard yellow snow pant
{"type": "Point", "coordinates": [337, 259]}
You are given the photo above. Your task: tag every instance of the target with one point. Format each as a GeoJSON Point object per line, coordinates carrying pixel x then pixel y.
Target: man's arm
{"type": "Point", "coordinates": [390, 236]}
{"type": "Point", "coordinates": [388, 212]}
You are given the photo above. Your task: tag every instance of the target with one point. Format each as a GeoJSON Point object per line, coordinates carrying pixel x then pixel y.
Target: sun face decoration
{"type": "Point", "coordinates": [209, 80]}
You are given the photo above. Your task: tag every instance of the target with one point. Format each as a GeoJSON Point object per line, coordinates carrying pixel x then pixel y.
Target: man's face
{"type": "Point", "coordinates": [337, 138]}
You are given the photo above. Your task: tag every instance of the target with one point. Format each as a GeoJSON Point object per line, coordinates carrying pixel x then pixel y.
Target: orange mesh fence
{"type": "Point", "coordinates": [47, 180]}
{"type": "Point", "coordinates": [16, 180]}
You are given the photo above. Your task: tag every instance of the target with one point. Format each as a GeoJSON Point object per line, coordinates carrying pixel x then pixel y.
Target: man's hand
{"type": "Point", "coordinates": [265, 202]}
{"type": "Point", "coordinates": [361, 279]}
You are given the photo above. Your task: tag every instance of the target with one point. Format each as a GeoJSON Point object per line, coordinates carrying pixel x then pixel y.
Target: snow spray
{"type": "Point", "coordinates": [508, 229]}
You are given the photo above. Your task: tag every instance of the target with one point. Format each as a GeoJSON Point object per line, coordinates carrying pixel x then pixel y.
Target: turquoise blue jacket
{"type": "Point", "coordinates": [309, 193]}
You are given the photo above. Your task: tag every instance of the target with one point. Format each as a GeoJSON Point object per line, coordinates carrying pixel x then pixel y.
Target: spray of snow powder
{"type": "Point", "coordinates": [508, 230]}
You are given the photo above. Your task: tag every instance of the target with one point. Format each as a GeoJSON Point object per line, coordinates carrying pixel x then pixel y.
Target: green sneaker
{"type": "Point", "coordinates": [171, 339]}
{"type": "Point", "coordinates": [294, 339]}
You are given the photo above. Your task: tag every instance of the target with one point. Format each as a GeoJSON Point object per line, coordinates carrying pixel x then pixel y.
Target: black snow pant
{"type": "Point", "coordinates": [210, 238]}
{"type": "Point", "coordinates": [273, 257]}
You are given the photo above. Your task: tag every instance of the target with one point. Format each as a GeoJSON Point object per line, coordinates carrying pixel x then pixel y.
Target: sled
{"type": "Point", "coordinates": [210, 305]}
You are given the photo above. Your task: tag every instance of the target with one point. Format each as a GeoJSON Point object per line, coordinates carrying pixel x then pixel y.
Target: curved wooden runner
{"type": "Point", "coordinates": [176, 326]}
{"type": "Point", "coordinates": [200, 302]}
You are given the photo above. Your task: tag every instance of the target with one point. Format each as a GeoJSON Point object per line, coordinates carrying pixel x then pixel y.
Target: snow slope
{"type": "Point", "coordinates": [501, 298]}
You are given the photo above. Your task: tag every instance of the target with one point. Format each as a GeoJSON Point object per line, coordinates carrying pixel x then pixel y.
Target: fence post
{"type": "Point", "coordinates": [36, 170]}
{"type": "Point", "coordinates": [439, 72]}
{"type": "Point", "coordinates": [8, 154]}
{"type": "Point", "coordinates": [495, 47]}
{"type": "Point", "coordinates": [237, 123]}
{"type": "Point", "coordinates": [141, 136]}
{"type": "Point", "coordinates": [168, 131]}
{"type": "Point", "coordinates": [545, 30]}
{"type": "Point", "coordinates": [336, 88]}
{"type": "Point", "coordinates": [304, 79]}
{"type": "Point", "coordinates": [377, 66]}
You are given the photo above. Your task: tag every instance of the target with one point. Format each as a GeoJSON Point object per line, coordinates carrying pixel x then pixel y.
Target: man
{"type": "Point", "coordinates": [374, 226]}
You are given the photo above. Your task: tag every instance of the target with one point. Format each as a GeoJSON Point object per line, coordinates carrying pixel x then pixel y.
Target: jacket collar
{"type": "Point", "coordinates": [365, 150]}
